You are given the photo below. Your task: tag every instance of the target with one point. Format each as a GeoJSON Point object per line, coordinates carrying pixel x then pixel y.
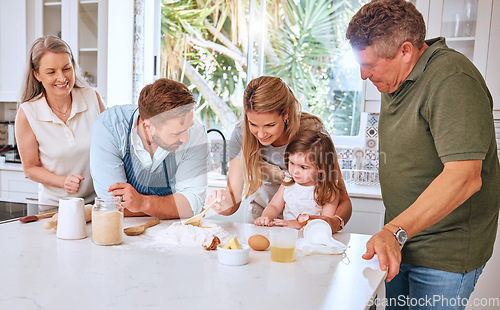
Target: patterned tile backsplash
{"type": "Point", "coordinates": [359, 165]}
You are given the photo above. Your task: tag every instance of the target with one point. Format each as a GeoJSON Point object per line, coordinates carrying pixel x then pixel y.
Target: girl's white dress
{"type": "Point", "coordinates": [299, 200]}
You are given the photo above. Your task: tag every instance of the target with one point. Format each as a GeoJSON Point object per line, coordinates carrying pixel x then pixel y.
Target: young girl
{"type": "Point", "coordinates": [313, 191]}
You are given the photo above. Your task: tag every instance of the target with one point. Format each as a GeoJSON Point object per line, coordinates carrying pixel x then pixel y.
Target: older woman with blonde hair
{"type": "Point", "coordinates": [272, 118]}
{"type": "Point", "coordinates": [54, 121]}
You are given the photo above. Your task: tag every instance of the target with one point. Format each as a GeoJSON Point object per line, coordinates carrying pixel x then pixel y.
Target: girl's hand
{"type": "Point", "coordinates": [263, 221]}
{"type": "Point", "coordinates": [72, 183]}
{"type": "Point", "coordinates": [287, 223]}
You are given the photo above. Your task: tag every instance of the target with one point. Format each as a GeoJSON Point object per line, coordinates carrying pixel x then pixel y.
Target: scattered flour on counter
{"type": "Point", "coordinates": [189, 235]}
{"type": "Point", "coordinates": [175, 237]}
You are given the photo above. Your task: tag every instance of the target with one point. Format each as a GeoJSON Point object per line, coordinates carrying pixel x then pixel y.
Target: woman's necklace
{"type": "Point", "coordinates": [61, 112]}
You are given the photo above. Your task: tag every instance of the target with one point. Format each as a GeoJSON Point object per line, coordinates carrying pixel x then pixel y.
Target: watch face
{"type": "Point", "coordinates": [401, 236]}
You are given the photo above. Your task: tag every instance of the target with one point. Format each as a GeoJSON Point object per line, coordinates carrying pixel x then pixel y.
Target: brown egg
{"type": "Point", "coordinates": [258, 242]}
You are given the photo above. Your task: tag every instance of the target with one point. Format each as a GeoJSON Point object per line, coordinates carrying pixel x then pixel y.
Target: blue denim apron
{"type": "Point", "coordinates": [145, 182]}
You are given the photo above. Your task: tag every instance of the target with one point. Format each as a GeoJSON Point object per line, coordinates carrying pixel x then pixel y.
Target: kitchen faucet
{"type": "Point", "coordinates": [223, 164]}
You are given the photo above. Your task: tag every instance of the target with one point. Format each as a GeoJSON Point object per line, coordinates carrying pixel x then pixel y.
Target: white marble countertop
{"type": "Point", "coordinates": [39, 271]}
{"type": "Point", "coordinates": [18, 197]}
{"type": "Point", "coordinates": [364, 191]}
{"type": "Point", "coordinates": [11, 166]}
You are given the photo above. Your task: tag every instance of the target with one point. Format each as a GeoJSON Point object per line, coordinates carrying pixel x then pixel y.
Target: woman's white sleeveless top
{"type": "Point", "coordinates": [64, 148]}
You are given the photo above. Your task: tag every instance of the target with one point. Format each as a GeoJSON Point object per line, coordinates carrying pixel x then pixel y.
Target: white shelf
{"type": "Point", "coordinates": [454, 39]}
{"type": "Point", "coordinates": [55, 3]}
{"type": "Point", "coordinates": [88, 50]}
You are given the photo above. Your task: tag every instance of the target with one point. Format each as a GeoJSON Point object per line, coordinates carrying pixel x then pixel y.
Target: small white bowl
{"type": "Point", "coordinates": [233, 257]}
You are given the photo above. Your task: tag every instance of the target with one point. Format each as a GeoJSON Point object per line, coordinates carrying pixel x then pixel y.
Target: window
{"type": "Point", "coordinates": [216, 47]}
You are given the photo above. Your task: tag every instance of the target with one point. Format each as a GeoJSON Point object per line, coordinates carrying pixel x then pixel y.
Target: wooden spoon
{"type": "Point", "coordinates": [196, 220]}
{"type": "Point", "coordinates": [137, 230]}
{"type": "Point", "coordinates": [32, 218]}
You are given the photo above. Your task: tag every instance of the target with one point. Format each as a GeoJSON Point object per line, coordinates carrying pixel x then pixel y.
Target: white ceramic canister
{"type": "Point", "coordinates": [71, 222]}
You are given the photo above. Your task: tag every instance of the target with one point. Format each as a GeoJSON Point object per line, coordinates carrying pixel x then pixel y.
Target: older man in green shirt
{"type": "Point", "coordinates": [438, 158]}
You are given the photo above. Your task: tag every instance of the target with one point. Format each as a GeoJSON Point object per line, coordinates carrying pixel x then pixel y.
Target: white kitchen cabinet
{"type": "Point", "coordinates": [83, 25]}
{"type": "Point", "coordinates": [16, 181]}
{"type": "Point", "coordinates": [469, 26]}
{"type": "Point", "coordinates": [12, 48]}
{"type": "Point", "coordinates": [367, 216]}
{"type": "Point", "coordinates": [493, 67]}
{"type": "Point", "coordinates": [485, 295]}
{"type": "Point", "coordinates": [466, 24]}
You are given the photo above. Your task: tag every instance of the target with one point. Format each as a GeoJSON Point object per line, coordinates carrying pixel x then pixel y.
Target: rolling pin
{"type": "Point", "coordinates": [33, 218]}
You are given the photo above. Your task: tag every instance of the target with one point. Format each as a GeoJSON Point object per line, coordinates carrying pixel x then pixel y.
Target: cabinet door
{"type": "Point", "coordinates": [486, 290]}
{"type": "Point", "coordinates": [16, 181]}
{"type": "Point", "coordinates": [466, 26]}
{"type": "Point", "coordinates": [12, 48]}
{"type": "Point", "coordinates": [83, 25]}
{"type": "Point", "coordinates": [493, 68]}
{"type": "Point", "coordinates": [367, 216]}
{"type": "Point", "coordinates": [372, 97]}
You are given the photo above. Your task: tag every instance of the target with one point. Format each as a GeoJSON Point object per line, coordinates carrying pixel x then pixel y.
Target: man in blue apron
{"type": "Point", "coordinates": [154, 154]}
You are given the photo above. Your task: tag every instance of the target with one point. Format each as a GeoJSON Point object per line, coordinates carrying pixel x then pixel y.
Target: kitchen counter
{"type": "Point", "coordinates": [11, 166]}
{"type": "Point", "coordinates": [40, 271]}
{"type": "Point", "coordinates": [364, 191]}
{"type": "Point", "coordinates": [17, 197]}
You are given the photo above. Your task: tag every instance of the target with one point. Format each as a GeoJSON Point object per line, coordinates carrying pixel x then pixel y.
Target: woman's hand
{"type": "Point", "coordinates": [263, 221]}
{"type": "Point", "coordinates": [72, 183]}
{"type": "Point", "coordinates": [218, 195]}
{"type": "Point", "coordinates": [287, 223]}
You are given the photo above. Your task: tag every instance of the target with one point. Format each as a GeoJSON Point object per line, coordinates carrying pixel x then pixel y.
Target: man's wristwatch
{"type": "Point", "coordinates": [398, 232]}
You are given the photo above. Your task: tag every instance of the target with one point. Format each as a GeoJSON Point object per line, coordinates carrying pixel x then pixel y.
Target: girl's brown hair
{"type": "Point", "coordinates": [268, 94]}
{"type": "Point", "coordinates": [319, 149]}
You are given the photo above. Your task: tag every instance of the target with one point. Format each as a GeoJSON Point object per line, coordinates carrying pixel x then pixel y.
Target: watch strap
{"type": "Point", "coordinates": [396, 231]}
{"type": "Point", "coordinates": [392, 228]}
{"type": "Point", "coordinates": [342, 223]}
{"type": "Point", "coordinates": [302, 219]}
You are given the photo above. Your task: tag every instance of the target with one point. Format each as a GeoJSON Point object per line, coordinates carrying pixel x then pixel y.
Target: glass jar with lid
{"type": "Point", "coordinates": [107, 221]}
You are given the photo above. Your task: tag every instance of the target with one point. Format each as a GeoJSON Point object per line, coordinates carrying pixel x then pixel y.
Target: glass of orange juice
{"type": "Point", "coordinates": [283, 244]}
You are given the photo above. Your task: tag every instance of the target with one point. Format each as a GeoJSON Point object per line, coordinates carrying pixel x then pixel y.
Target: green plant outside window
{"type": "Point", "coordinates": [206, 45]}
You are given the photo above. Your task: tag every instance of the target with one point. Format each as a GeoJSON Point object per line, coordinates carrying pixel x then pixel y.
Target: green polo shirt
{"type": "Point", "coordinates": [442, 112]}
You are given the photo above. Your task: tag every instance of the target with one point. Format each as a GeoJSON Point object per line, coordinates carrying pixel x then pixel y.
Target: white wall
{"type": "Point", "coordinates": [12, 48]}
{"type": "Point", "coordinates": [120, 52]}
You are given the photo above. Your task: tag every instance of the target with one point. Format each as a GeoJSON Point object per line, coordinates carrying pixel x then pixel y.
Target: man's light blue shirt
{"type": "Point", "coordinates": [108, 146]}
